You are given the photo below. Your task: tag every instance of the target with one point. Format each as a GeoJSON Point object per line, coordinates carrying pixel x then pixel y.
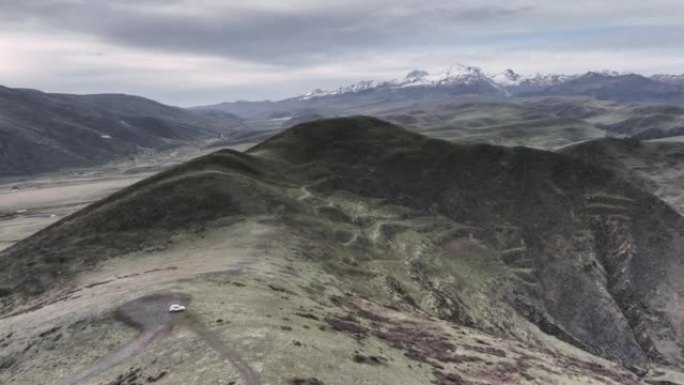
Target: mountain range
{"type": "Point", "coordinates": [42, 132]}
{"type": "Point", "coordinates": [473, 80]}
{"type": "Point", "coordinates": [468, 105]}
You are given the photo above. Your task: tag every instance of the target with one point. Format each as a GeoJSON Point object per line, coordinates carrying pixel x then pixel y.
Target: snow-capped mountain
{"type": "Point", "coordinates": [670, 79]}
{"type": "Point", "coordinates": [456, 76]}
{"type": "Point", "coordinates": [512, 82]}
{"type": "Point", "coordinates": [353, 88]}
{"type": "Point", "coordinates": [461, 79]}
{"type": "Point", "coordinates": [468, 77]}
{"type": "Point", "coordinates": [508, 78]}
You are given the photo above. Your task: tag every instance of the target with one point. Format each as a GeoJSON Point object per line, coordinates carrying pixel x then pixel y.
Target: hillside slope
{"type": "Point", "coordinates": [657, 167]}
{"type": "Point", "coordinates": [301, 241]}
{"type": "Point", "coordinates": [44, 132]}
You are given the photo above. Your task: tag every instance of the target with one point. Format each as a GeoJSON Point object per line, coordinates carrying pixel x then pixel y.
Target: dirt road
{"type": "Point", "coordinates": [150, 315]}
{"type": "Point", "coordinates": [249, 376]}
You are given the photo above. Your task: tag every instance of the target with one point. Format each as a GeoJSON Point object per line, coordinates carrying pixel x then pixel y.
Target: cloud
{"type": "Point", "coordinates": [281, 35]}
{"type": "Point", "coordinates": [179, 50]}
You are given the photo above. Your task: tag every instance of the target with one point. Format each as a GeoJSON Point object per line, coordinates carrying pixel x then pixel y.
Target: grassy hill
{"type": "Point", "coordinates": [42, 132]}
{"type": "Point", "coordinates": [350, 250]}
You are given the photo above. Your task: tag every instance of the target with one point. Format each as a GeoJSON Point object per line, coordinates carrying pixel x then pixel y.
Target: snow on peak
{"type": "Point", "coordinates": [356, 87]}
{"type": "Point", "coordinates": [457, 75]}
{"type": "Point", "coordinates": [667, 78]}
{"type": "Point", "coordinates": [460, 70]}
{"type": "Point", "coordinates": [508, 78]}
{"type": "Point", "coordinates": [416, 76]}
{"type": "Point", "coordinates": [607, 73]}
{"type": "Point", "coordinates": [315, 93]}
{"type": "Point", "coordinates": [460, 74]}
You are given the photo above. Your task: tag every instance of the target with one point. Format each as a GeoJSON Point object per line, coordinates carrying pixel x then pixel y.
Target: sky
{"type": "Point", "coordinates": [197, 52]}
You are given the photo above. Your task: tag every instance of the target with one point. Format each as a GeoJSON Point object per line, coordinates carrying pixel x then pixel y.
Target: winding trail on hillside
{"type": "Point", "coordinates": [150, 315]}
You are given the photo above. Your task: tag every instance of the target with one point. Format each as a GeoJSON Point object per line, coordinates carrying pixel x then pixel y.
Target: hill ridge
{"type": "Point", "coordinates": [425, 222]}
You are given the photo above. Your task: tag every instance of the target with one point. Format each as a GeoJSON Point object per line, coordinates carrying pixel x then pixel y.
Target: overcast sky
{"type": "Point", "coordinates": [193, 52]}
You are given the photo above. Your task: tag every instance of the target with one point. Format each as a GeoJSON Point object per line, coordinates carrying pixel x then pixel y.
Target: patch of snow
{"type": "Point", "coordinates": [455, 75]}
{"type": "Point", "coordinates": [671, 79]}
{"type": "Point", "coordinates": [508, 78]}
{"type": "Point", "coordinates": [611, 73]}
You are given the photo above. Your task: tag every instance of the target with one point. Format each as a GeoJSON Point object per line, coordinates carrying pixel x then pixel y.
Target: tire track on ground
{"type": "Point", "coordinates": [150, 315]}
{"type": "Point", "coordinates": [249, 376]}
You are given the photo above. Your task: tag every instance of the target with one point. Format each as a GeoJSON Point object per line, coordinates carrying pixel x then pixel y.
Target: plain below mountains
{"type": "Point", "coordinates": [44, 132]}
{"type": "Point", "coordinates": [352, 251]}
